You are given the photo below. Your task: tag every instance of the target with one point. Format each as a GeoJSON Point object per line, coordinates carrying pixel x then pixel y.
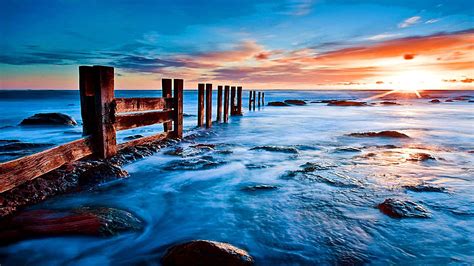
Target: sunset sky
{"type": "Point", "coordinates": [293, 44]}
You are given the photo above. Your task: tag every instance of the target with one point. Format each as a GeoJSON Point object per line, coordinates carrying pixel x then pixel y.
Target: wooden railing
{"type": "Point", "coordinates": [102, 115]}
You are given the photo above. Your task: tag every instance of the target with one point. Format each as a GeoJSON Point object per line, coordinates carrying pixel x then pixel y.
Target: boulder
{"type": "Point", "coordinates": [397, 208]}
{"type": "Point", "coordinates": [258, 188]}
{"type": "Point", "coordinates": [86, 221]}
{"type": "Point", "coordinates": [276, 149]}
{"type": "Point", "coordinates": [205, 162]}
{"type": "Point", "coordinates": [204, 252]}
{"type": "Point", "coordinates": [388, 103]}
{"type": "Point", "coordinates": [424, 188]}
{"type": "Point", "coordinates": [383, 134]}
{"type": "Point", "coordinates": [435, 101]}
{"type": "Point", "coordinates": [133, 137]}
{"type": "Point", "coordinates": [49, 119]}
{"type": "Point", "coordinates": [277, 104]}
{"type": "Point", "coordinates": [295, 102]}
{"type": "Point", "coordinates": [346, 103]}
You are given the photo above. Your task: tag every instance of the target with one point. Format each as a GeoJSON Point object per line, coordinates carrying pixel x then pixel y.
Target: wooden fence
{"type": "Point", "coordinates": [102, 115]}
{"type": "Point", "coordinates": [205, 97]}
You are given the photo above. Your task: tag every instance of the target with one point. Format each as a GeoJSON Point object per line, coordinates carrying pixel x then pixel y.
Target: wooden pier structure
{"type": "Point", "coordinates": [253, 100]}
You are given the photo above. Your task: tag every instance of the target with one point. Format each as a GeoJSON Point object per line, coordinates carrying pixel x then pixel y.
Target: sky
{"type": "Point", "coordinates": [290, 44]}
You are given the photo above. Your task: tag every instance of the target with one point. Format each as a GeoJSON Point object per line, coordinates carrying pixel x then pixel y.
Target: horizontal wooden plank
{"type": "Point", "coordinates": [124, 105]}
{"type": "Point", "coordinates": [127, 121]}
{"type": "Point", "coordinates": [17, 172]}
{"type": "Point", "coordinates": [145, 140]}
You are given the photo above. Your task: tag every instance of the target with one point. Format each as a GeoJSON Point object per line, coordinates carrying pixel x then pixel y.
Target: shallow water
{"type": "Point", "coordinates": [328, 216]}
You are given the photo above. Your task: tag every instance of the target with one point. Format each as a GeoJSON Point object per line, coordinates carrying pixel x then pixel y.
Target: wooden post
{"type": "Point", "coordinates": [226, 103]}
{"type": "Point", "coordinates": [86, 90]}
{"type": "Point", "coordinates": [105, 136]}
{"type": "Point", "coordinates": [250, 100]}
{"type": "Point", "coordinates": [263, 98]}
{"type": "Point", "coordinates": [166, 92]}
{"type": "Point", "coordinates": [239, 101]}
{"type": "Point", "coordinates": [254, 96]}
{"type": "Point", "coordinates": [232, 100]}
{"type": "Point", "coordinates": [259, 96]}
{"type": "Point", "coordinates": [178, 108]}
{"type": "Point", "coordinates": [200, 105]}
{"type": "Point", "coordinates": [208, 105]}
{"type": "Point", "coordinates": [219, 103]}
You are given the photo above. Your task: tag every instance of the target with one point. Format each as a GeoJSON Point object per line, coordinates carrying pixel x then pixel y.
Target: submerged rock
{"type": "Point", "coordinates": [205, 162]}
{"type": "Point", "coordinates": [346, 103]}
{"type": "Point", "coordinates": [204, 146]}
{"type": "Point", "coordinates": [388, 103]}
{"type": "Point", "coordinates": [259, 187]}
{"type": "Point", "coordinates": [295, 102]}
{"type": "Point", "coordinates": [382, 134]}
{"type": "Point", "coordinates": [312, 167]}
{"type": "Point", "coordinates": [18, 146]}
{"type": "Point", "coordinates": [100, 173]}
{"type": "Point", "coordinates": [435, 101]}
{"type": "Point", "coordinates": [133, 137]}
{"type": "Point", "coordinates": [204, 252]}
{"type": "Point", "coordinates": [88, 221]}
{"type": "Point", "coordinates": [347, 149]}
{"type": "Point", "coordinates": [424, 188]}
{"type": "Point", "coordinates": [49, 119]}
{"type": "Point", "coordinates": [277, 104]}
{"type": "Point", "coordinates": [396, 208]}
{"type": "Point", "coordinates": [421, 157]}
{"type": "Point", "coordinates": [276, 149]}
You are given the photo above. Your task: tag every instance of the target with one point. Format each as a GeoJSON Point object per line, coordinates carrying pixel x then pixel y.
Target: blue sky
{"type": "Point", "coordinates": [147, 40]}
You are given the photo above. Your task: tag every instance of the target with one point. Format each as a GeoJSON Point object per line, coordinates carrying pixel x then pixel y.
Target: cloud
{"type": "Point", "coordinates": [408, 56]}
{"type": "Point", "coordinates": [409, 22]}
{"type": "Point", "coordinates": [431, 21]}
{"type": "Point", "coordinates": [383, 36]}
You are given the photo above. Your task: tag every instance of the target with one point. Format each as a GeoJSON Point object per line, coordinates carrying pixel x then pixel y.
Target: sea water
{"type": "Point", "coordinates": [329, 217]}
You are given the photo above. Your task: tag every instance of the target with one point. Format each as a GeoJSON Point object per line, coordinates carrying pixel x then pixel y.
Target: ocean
{"type": "Point", "coordinates": [325, 216]}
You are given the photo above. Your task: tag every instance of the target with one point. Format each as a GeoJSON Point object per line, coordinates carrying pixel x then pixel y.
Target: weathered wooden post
{"type": "Point", "coordinates": [263, 98]}
{"type": "Point", "coordinates": [219, 103]}
{"type": "Point", "coordinates": [86, 90]}
{"type": "Point", "coordinates": [178, 108]}
{"type": "Point", "coordinates": [250, 100]}
{"type": "Point", "coordinates": [226, 103]}
{"type": "Point", "coordinates": [259, 95]}
{"type": "Point", "coordinates": [239, 101]}
{"type": "Point", "coordinates": [208, 105]}
{"type": "Point", "coordinates": [200, 105]}
{"type": "Point", "coordinates": [166, 93]}
{"type": "Point", "coordinates": [105, 136]}
{"type": "Point", "coordinates": [254, 97]}
{"type": "Point", "coordinates": [232, 100]}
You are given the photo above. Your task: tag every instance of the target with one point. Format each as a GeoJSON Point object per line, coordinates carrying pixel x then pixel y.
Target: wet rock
{"type": "Point", "coordinates": [87, 221]}
{"type": "Point", "coordinates": [258, 188]}
{"type": "Point", "coordinates": [204, 252]}
{"type": "Point", "coordinates": [49, 119]}
{"type": "Point", "coordinates": [346, 103]}
{"type": "Point", "coordinates": [421, 157]}
{"type": "Point", "coordinates": [397, 208]}
{"type": "Point", "coordinates": [204, 146]}
{"type": "Point", "coordinates": [205, 162]}
{"type": "Point", "coordinates": [381, 134]}
{"type": "Point", "coordinates": [257, 166]}
{"type": "Point", "coordinates": [449, 101]}
{"type": "Point", "coordinates": [282, 149]}
{"type": "Point", "coordinates": [295, 102]}
{"type": "Point", "coordinates": [188, 115]}
{"type": "Point", "coordinates": [277, 104]}
{"type": "Point", "coordinates": [312, 167]}
{"type": "Point", "coordinates": [348, 149]}
{"type": "Point", "coordinates": [133, 137]}
{"type": "Point", "coordinates": [471, 101]}
{"type": "Point", "coordinates": [435, 101]}
{"type": "Point", "coordinates": [20, 146]}
{"type": "Point", "coordinates": [424, 188]}
{"type": "Point", "coordinates": [388, 103]}
{"type": "Point", "coordinates": [100, 173]}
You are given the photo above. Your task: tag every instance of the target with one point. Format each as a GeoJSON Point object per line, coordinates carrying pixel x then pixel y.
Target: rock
{"type": "Point", "coordinates": [382, 134]}
{"type": "Point", "coordinates": [388, 103]}
{"type": "Point", "coordinates": [346, 103]}
{"type": "Point", "coordinates": [312, 167]}
{"type": "Point", "coordinates": [424, 188]}
{"type": "Point", "coordinates": [100, 173]}
{"type": "Point", "coordinates": [88, 221]}
{"type": "Point", "coordinates": [205, 162]}
{"type": "Point", "coordinates": [348, 149]}
{"type": "Point", "coordinates": [449, 101]}
{"type": "Point", "coordinates": [133, 137]}
{"type": "Point", "coordinates": [258, 166]}
{"type": "Point", "coordinates": [435, 101]}
{"type": "Point", "coordinates": [188, 115]}
{"type": "Point", "coordinates": [204, 146]}
{"type": "Point", "coordinates": [20, 146]}
{"type": "Point", "coordinates": [258, 187]}
{"type": "Point", "coordinates": [49, 119]}
{"type": "Point", "coordinates": [277, 104]}
{"type": "Point", "coordinates": [396, 208]}
{"type": "Point", "coordinates": [204, 252]}
{"type": "Point", "coordinates": [421, 157]}
{"type": "Point", "coordinates": [295, 102]}
{"type": "Point", "coordinates": [276, 149]}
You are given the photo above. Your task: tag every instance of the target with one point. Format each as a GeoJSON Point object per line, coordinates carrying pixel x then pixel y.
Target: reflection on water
{"type": "Point", "coordinates": [322, 209]}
